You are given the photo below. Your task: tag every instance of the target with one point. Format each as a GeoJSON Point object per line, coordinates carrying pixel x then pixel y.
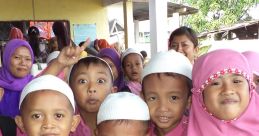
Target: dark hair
{"type": "Point", "coordinates": [61, 33]}
{"type": "Point", "coordinates": [126, 121]}
{"type": "Point", "coordinates": [81, 43]}
{"type": "Point", "coordinates": [190, 33]}
{"type": "Point", "coordinates": [34, 41]}
{"type": "Point", "coordinates": [144, 54]}
{"type": "Point", "coordinates": [87, 62]}
{"type": "Point", "coordinates": [174, 75]}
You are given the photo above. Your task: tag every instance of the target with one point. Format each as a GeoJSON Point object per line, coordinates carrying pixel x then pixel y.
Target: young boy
{"type": "Point", "coordinates": [47, 108]}
{"type": "Point", "coordinates": [132, 64]}
{"type": "Point", "coordinates": [122, 114]}
{"type": "Point", "coordinates": [166, 81]}
{"type": "Point", "coordinates": [91, 80]}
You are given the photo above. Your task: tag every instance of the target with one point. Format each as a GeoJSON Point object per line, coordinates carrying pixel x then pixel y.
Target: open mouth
{"type": "Point", "coordinates": [229, 101]}
{"type": "Point", "coordinates": [163, 119]}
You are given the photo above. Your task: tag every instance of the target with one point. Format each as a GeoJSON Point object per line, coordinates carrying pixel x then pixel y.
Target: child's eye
{"type": "Point", "coordinates": [100, 81]}
{"type": "Point", "coordinates": [174, 98]}
{"type": "Point", "coordinates": [36, 116]}
{"type": "Point", "coordinates": [237, 81]}
{"type": "Point", "coordinates": [82, 81]}
{"type": "Point", "coordinates": [151, 98]}
{"type": "Point", "coordinates": [214, 83]}
{"type": "Point", "coordinates": [59, 116]}
{"type": "Point", "coordinates": [16, 57]}
{"type": "Point", "coordinates": [28, 59]}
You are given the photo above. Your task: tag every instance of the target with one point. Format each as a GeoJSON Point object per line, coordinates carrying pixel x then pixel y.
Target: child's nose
{"type": "Point", "coordinates": [162, 107]}
{"type": "Point", "coordinates": [227, 89]}
{"type": "Point", "coordinates": [48, 123]}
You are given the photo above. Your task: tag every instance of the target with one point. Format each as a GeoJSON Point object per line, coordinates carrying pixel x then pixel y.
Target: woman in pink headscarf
{"type": "Point", "coordinates": [224, 102]}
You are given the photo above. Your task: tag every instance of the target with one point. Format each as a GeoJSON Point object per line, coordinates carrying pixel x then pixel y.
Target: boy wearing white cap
{"type": "Point", "coordinates": [132, 64]}
{"type": "Point", "coordinates": [116, 119]}
{"type": "Point", "coordinates": [47, 108]}
{"type": "Point", "coordinates": [166, 81]}
{"type": "Point", "coordinates": [91, 80]}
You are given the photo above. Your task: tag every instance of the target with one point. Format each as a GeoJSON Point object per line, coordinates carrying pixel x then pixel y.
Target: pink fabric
{"type": "Point", "coordinates": [253, 58]}
{"type": "Point", "coordinates": [201, 123]}
{"type": "Point", "coordinates": [19, 132]}
{"type": "Point", "coordinates": [135, 87]}
{"type": "Point", "coordinates": [179, 130]}
{"type": "Point", "coordinates": [82, 130]}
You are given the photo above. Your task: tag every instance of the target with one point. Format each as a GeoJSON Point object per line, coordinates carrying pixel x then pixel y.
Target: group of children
{"type": "Point", "coordinates": [168, 97]}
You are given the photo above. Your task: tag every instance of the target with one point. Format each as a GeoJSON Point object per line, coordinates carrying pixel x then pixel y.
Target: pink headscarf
{"type": "Point", "coordinates": [252, 58]}
{"type": "Point", "coordinates": [207, 68]}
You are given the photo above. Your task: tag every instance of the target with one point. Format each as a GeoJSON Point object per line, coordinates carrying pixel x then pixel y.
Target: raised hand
{"type": "Point", "coordinates": [71, 54]}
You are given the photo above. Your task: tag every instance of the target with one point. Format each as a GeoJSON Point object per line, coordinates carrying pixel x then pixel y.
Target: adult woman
{"type": "Point", "coordinates": [184, 40]}
{"type": "Point", "coordinates": [14, 75]}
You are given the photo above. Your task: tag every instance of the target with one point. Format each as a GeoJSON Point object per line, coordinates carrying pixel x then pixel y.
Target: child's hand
{"type": "Point", "coordinates": [70, 55]}
{"type": "Point", "coordinates": [1, 93]}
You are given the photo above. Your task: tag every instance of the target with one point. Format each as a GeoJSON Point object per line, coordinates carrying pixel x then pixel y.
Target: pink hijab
{"type": "Point", "coordinates": [207, 68]}
{"type": "Point", "coordinates": [252, 58]}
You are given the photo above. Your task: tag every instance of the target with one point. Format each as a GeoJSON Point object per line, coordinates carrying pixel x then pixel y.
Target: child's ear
{"type": "Point", "coordinates": [189, 102]}
{"type": "Point", "coordinates": [19, 123]}
{"type": "Point", "coordinates": [75, 122]}
{"type": "Point", "coordinates": [1, 93]}
{"type": "Point", "coordinates": [114, 89]}
{"type": "Point", "coordinates": [96, 131]}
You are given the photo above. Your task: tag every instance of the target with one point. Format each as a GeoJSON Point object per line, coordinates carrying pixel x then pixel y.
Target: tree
{"type": "Point", "coordinates": [214, 14]}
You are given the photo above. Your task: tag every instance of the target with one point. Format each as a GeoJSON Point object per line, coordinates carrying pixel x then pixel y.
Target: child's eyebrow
{"type": "Point", "coordinates": [102, 72]}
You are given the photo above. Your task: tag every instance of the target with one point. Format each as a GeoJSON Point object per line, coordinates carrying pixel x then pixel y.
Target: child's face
{"type": "Point", "coordinates": [167, 99]}
{"type": "Point", "coordinates": [90, 86]}
{"type": "Point", "coordinates": [133, 67]}
{"type": "Point", "coordinates": [47, 113]}
{"type": "Point", "coordinates": [227, 96]}
{"type": "Point", "coordinates": [130, 128]}
{"type": "Point", "coordinates": [113, 67]}
{"type": "Point", "coordinates": [20, 62]}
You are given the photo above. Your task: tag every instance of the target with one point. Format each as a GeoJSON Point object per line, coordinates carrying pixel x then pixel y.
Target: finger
{"type": "Point", "coordinates": [86, 43]}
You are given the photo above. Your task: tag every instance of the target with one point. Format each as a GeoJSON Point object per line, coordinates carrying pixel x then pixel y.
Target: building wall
{"type": "Point", "coordinates": [75, 11]}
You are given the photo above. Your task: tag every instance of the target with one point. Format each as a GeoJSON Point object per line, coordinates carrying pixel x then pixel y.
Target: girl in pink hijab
{"type": "Point", "coordinates": [224, 102]}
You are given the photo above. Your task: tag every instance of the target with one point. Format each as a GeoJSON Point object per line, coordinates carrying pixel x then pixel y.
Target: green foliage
{"type": "Point", "coordinates": [214, 14]}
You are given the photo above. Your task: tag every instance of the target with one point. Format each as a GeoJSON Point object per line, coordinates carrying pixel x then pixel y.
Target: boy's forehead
{"type": "Point", "coordinates": [94, 67]}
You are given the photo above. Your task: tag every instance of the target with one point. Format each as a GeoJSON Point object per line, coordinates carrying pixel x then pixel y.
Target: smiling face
{"type": "Point", "coordinates": [20, 62]}
{"type": "Point", "coordinates": [185, 46]}
{"type": "Point", "coordinates": [167, 99]}
{"type": "Point", "coordinates": [90, 85]}
{"type": "Point", "coordinates": [47, 112]}
{"type": "Point", "coordinates": [133, 67]}
{"type": "Point", "coordinates": [227, 96]}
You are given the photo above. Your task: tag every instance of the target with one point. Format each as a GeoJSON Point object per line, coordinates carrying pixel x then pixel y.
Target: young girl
{"type": "Point", "coordinates": [167, 91]}
{"type": "Point", "coordinates": [111, 56]}
{"type": "Point", "coordinates": [132, 64]}
{"type": "Point", "coordinates": [91, 80]}
{"type": "Point", "coordinates": [224, 102]}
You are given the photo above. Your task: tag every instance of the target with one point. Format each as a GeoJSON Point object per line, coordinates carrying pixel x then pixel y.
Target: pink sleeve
{"type": "Point", "coordinates": [19, 132]}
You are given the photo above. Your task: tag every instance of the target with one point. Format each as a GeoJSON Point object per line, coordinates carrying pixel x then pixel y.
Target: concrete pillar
{"type": "Point", "coordinates": [175, 21]}
{"type": "Point", "coordinates": [128, 23]}
{"type": "Point", "coordinates": [136, 29]}
{"type": "Point", "coordinates": [158, 26]}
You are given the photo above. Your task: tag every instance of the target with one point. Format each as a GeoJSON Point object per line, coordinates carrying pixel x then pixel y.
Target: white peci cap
{"type": "Point", "coordinates": [52, 56]}
{"type": "Point", "coordinates": [123, 106]}
{"type": "Point", "coordinates": [48, 82]}
{"type": "Point", "coordinates": [168, 62]}
{"type": "Point", "coordinates": [130, 51]}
